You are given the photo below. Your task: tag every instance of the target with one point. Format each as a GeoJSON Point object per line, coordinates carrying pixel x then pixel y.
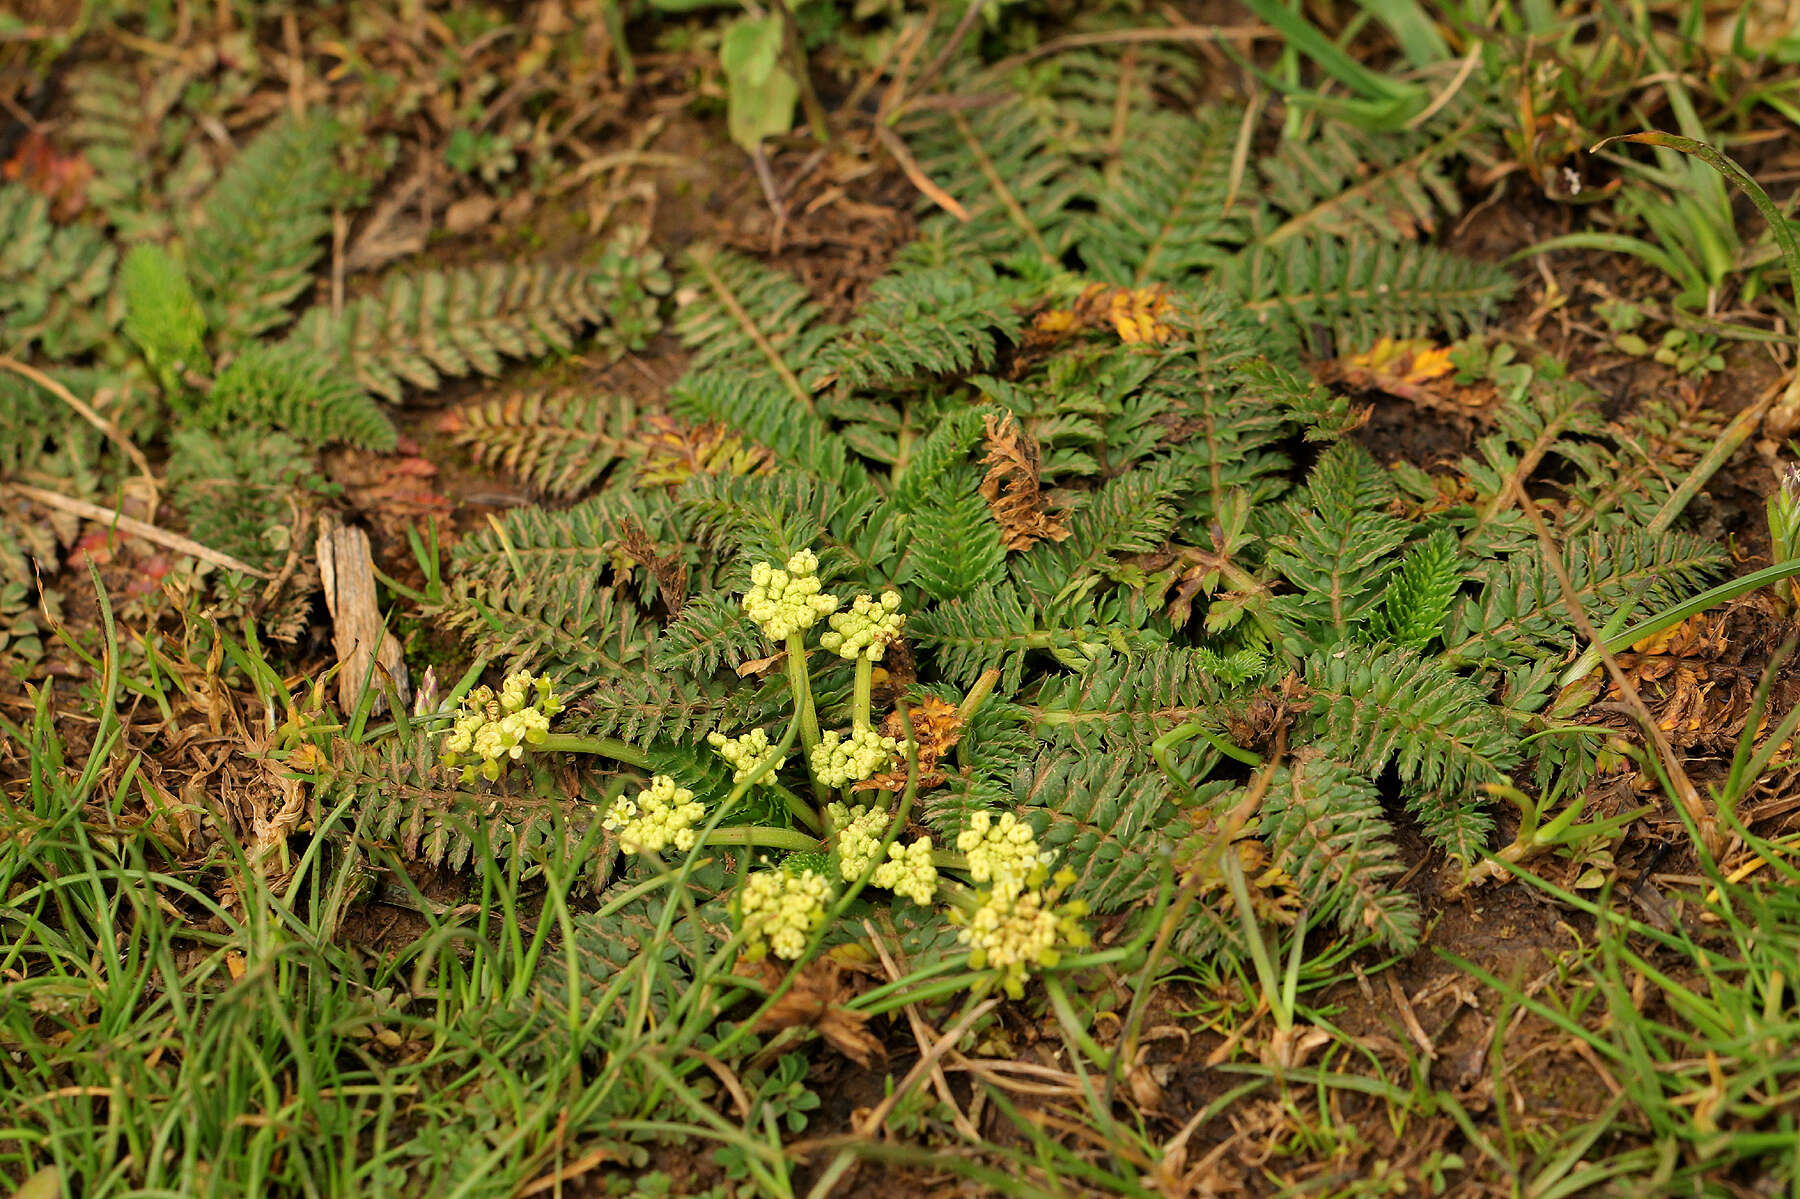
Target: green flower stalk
{"type": "Point", "coordinates": [1784, 529]}
{"type": "Point", "coordinates": [1784, 518]}
{"type": "Point", "coordinates": [786, 603]}
{"type": "Point", "coordinates": [862, 635]}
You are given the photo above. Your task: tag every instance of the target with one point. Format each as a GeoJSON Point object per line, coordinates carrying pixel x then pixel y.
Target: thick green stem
{"type": "Point", "coordinates": [800, 683]}
{"type": "Point", "coordinates": [605, 747]}
{"type": "Point", "coordinates": [865, 683]}
{"type": "Point", "coordinates": [797, 807]}
{"type": "Point", "coordinates": [764, 838]}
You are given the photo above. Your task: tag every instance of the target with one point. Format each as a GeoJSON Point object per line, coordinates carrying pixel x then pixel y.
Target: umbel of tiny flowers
{"type": "Point", "coordinates": [1015, 931]}
{"type": "Point", "coordinates": [908, 870]}
{"type": "Point", "coordinates": [491, 731]}
{"type": "Point", "coordinates": [1003, 852]}
{"type": "Point", "coordinates": [747, 753]}
{"type": "Point", "coordinates": [778, 909]}
{"type": "Point", "coordinates": [844, 758]}
{"type": "Point", "coordinates": [656, 818]}
{"type": "Point", "coordinates": [858, 832]}
{"type": "Point", "coordinates": [786, 603]}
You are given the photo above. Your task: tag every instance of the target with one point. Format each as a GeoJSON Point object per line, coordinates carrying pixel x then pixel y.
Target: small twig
{"type": "Point", "coordinates": [916, 175]}
{"type": "Point", "coordinates": [927, 1061]}
{"type": "Point", "coordinates": [106, 427]}
{"type": "Point", "coordinates": [942, 59]}
{"type": "Point", "coordinates": [809, 98]}
{"type": "Point", "coordinates": [136, 528]}
{"type": "Point", "coordinates": [922, 1033]}
{"type": "Point", "coordinates": [1685, 792]}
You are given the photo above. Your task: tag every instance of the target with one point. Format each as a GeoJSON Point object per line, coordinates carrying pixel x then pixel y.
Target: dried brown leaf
{"type": "Point", "coordinates": [675, 452]}
{"type": "Point", "coordinates": [816, 1001]}
{"type": "Point", "coordinates": [1011, 486]}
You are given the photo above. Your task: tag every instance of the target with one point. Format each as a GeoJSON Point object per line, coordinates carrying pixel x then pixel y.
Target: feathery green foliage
{"type": "Point", "coordinates": [421, 329]}
{"type": "Point", "coordinates": [1189, 581]}
{"type": "Point", "coordinates": [54, 279]}
{"type": "Point", "coordinates": [559, 443]}
{"type": "Point", "coordinates": [263, 227]}
{"type": "Point", "coordinates": [162, 315]}
{"type": "Point", "coordinates": [295, 390]}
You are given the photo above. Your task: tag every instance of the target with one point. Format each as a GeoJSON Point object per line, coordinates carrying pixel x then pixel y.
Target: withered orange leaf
{"type": "Point", "coordinates": [937, 727]}
{"type": "Point", "coordinates": [1011, 486]}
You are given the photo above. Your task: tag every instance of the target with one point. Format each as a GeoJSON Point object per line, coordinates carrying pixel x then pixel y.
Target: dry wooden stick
{"type": "Point", "coordinates": [126, 524]}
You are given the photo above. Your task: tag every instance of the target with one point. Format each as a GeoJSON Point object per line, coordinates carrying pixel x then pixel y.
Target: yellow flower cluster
{"type": "Point", "coordinates": [1003, 852]}
{"type": "Point", "coordinates": [909, 871]}
{"type": "Point", "coordinates": [866, 630]}
{"type": "Point", "coordinates": [1016, 930]}
{"type": "Point", "coordinates": [778, 910]}
{"type": "Point", "coordinates": [1018, 923]}
{"type": "Point", "coordinates": [859, 831]}
{"type": "Point", "coordinates": [657, 818]}
{"type": "Point", "coordinates": [746, 754]}
{"type": "Point", "coordinates": [841, 758]}
{"type": "Point", "coordinates": [492, 730]}
{"type": "Point", "coordinates": [785, 602]}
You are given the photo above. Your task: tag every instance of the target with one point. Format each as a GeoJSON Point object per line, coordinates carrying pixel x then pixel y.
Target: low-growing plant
{"type": "Point", "coordinates": [1138, 554]}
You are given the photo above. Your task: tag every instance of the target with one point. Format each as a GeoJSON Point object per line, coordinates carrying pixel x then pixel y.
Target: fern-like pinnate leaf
{"type": "Point", "coordinates": [1519, 612]}
{"type": "Point", "coordinates": [533, 589]}
{"type": "Point", "coordinates": [757, 404]}
{"type": "Point", "coordinates": [299, 392]}
{"type": "Point", "coordinates": [989, 627]}
{"type": "Point", "coordinates": [421, 329]}
{"type": "Point", "coordinates": [1123, 702]}
{"type": "Point", "coordinates": [559, 443]}
{"type": "Point", "coordinates": [1163, 213]}
{"type": "Point", "coordinates": [1324, 827]}
{"type": "Point", "coordinates": [1105, 817]}
{"type": "Point", "coordinates": [53, 279]}
{"type": "Point", "coordinates": [1131, 513]}
{"type": "Point", "coordinates": [1336, 547]}
{"type": "Point", "coordinates": [1337, 179]}
{"type": "Point", "coordinates": [162, 315]}
{"type": "Point", "coordinates": [922, 323]}
{"type": "Point", "coordinates": [401, 795]}
{"type": "Point", "coordinates": [956, 546]}
{"type": "Point", "coordinates": [1374, 708]}
{"type": "Point", "coordinates": [711, 632]}
{"type": "Point", "coordinates": [934, 454]}
{"type": "Point", "coordinates": [1417, 599]}
{"type": "Point", "coordinates": [735, 312]}
{"type": "Point", "coordinates": [1363, 289]}
{"type": "Point", "coordinates": [263, 227]}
